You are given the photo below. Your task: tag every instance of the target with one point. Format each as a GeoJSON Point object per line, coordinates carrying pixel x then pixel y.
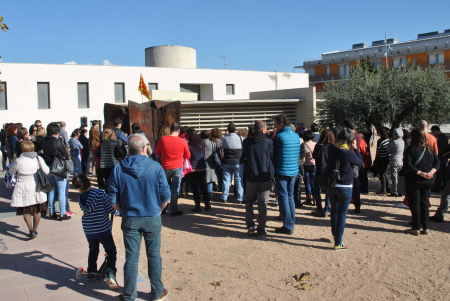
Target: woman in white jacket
{"type": "Point", "coordinates": [27, 195]}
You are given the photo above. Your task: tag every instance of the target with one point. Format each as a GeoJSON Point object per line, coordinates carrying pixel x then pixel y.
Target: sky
{"type": "Point", "coordinates": [253, 35]}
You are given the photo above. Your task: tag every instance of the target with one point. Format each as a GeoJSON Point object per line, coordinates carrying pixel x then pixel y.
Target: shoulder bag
{"type": "Point", "coordinates": [403, 172]}
{"type": "Point", "coordinates": [58, 167]}
{"type": "Point", "coordinates": [44, 184]}
{"type": "Point", "coordinates": [216, 156]}
{"type": "Point", "coordinates": [331, 174]}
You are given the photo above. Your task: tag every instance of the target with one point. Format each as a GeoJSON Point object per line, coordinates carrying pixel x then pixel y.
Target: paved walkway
{"type": "Point", "coordinates": [44, 268]}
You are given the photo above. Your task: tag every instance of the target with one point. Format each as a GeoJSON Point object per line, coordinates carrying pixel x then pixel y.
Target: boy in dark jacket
{"type": "Point", "coordinates": [259, 172]}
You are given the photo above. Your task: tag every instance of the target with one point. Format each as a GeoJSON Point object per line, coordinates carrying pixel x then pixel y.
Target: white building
{"type": "Point", "coordinates": [54, 93]}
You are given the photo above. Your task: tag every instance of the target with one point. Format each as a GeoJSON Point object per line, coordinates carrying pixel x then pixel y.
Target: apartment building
{"type": "Point", "coordinates": [428, 49]}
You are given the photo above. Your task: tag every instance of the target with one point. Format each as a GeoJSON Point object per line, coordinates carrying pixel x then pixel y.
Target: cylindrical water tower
{"type": "Point", "coordinates": [171, 57]}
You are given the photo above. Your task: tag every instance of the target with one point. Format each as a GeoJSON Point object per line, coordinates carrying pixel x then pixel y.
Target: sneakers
{"type": "Point", "coordinates": [412, 232]}
{"type": "Point", "coordinates": [92, 276]}
{"type": "Point", "coordinates": [64, 217]}
{"type": "Point", "coordinates": [340, 248]}
{"type": "Point", "coordinates": [111, 280]}
{"type": "Point", "coordinates": [401, 205]}
{"type": "Point", "coordinates": [436, 219]}
{"type": "Point", "coordinates": [284, 230]}
{"type": "Point", "coordinates": [53, 216]}
{"type": "Point", "coordinates": [178, 213]}
{"type": "Point", "coordinates": [251, 231]}
{"type": "Point", "coordinates": [261, 233]}
{"type": "Point", "coordinates": [425, 232]}
{"type": "Point", "coordinates": [163, 295]}
{"type": "Point", "coordinates": [69, 213]}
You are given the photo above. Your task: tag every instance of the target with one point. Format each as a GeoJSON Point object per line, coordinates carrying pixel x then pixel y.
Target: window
{"type": "Point", "coordinates": [327, 70]}
{"type": "Point", "coordinates": [119, 92]}
{"type": "Point", "coordinates": [3, 103]}
{"type": "Point", "coordinates": [432, 59]}
{"type": "Point", "coordinates": [190, 89]}
{"type": "Point", "coordinates": [399, 62]}
{"type": "Point", "coordinates": [440, 58]}
{"type": "Point", "coordinates": [43, 95]}
{"type": "Point", "coordinates": [403, 62]}
{"type": "Point", "coordinates": [230, 89]}
{"type": "Point", "coordinates": [311, 72]}
{"type": "Point", "coordinates": [379, 65]}
{"type": "Point", "coordinates": [152, 86]}
{"type": "Point", "coordinates": [343, 71]}
{"type": "Point", "coordinates": [83, 95]}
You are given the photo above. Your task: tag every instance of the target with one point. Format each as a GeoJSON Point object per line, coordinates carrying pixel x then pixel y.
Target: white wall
{"type": "Point", "coordinates": [21, 80]}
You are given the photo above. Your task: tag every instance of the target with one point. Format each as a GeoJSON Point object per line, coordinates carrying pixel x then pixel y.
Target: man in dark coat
{"type": "Point", "coordinates": [259, 172]}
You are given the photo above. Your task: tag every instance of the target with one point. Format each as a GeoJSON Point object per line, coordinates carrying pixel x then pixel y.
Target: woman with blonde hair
{"type": "Point", "coordinates": [163, 132]}
{"type": "Point", "coordinates": [27, 196]}
{"type": "Point", "coordinates": [109, 154]}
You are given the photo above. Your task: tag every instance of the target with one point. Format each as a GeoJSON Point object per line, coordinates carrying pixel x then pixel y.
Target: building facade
{"type": "Point", "coordinates": [54, 93]}
{"type": "Point", "coordinates": [427, 50]}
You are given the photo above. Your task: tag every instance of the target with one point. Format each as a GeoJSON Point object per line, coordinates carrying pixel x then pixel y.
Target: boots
{"type": "Point", "coordinates": [207, 205]}
{"type": "Point", "coordinates": [308, 201]}
{"type": "Point", "coordinates": [197, 208]}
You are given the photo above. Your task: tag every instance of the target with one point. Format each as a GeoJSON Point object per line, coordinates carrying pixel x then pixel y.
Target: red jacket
{"type": "Point", "coordinates": [365, 154]}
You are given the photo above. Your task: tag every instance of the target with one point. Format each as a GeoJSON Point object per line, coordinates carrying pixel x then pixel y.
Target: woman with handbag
{"type": "Point", "coordinates": [197, 177]}
{"type": "Point", "coordinates": [28, 197]}
{"type": "Point", "coordinates": [210, 158]}
{"type": "Point", "coordinates": [345, 155]}
{"type": "Point", "coordinates": [420, 164]}
{"type": "Point", "coordinates": [54, 154]}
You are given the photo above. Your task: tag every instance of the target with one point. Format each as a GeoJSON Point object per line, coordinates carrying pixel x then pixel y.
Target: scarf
{"type": "Point", "coordinates": [345, 145]}
{"type": "Point", "coordinates": [30, 155]}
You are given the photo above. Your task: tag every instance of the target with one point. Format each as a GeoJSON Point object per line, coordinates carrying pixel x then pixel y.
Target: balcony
{"type": "Point", "coordinates": [323, 78]}
{"type": "Point", "coordinates": [425, 66]}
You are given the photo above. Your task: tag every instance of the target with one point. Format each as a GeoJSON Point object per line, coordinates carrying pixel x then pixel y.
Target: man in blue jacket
{"type": "Point", "coordinates": [138, 188]}
{"type": "Point", "coordinates": [258, 171]}
{"type": "Point", "coordinates": [286, 149]}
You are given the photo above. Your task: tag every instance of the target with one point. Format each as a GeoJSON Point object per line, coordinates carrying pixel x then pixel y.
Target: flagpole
{"type": "Point", "coordinates": [385, 42]}
{"type": "Point", "coordinates": [142, 98]}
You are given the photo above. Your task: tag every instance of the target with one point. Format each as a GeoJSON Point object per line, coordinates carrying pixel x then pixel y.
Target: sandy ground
{"type": "Point", "coordinates": [381, 263]}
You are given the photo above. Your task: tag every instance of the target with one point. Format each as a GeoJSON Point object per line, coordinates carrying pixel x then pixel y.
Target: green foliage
{"type": "Point", "coordinates": [391, 96]}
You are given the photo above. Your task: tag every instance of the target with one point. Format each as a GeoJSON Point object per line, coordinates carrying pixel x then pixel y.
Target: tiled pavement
{"type": "Point", "coordinates": [44, 268]}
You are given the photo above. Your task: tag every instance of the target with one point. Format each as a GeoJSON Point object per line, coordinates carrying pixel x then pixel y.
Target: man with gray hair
{"type": "Point", "coordinates": [396, 148]}
{"type": "Point", "coordinates": [139, 190]}
{"type": "Point", "coordinates": [64, 135]}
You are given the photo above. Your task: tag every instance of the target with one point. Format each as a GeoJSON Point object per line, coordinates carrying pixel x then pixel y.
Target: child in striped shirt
{"type": "Point", "coordinates": [97, 227]}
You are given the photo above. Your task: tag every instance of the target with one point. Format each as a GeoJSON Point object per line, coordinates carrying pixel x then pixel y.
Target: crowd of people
{"type": "Point", "coordinates": [137, 181]}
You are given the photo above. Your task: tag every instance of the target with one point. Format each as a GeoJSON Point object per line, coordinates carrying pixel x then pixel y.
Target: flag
{"type": "Point", "coordinates": [143, 88]}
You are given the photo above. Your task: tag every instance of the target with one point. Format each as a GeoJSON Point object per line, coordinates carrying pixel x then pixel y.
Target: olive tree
{"type": "Point", "coordinates": [393, 96]}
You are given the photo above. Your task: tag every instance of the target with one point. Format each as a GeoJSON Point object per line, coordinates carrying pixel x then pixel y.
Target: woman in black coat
{"type": "Point", "coordinates": [420, 163]}
{"type": "Point", "coordinates": [109, 153]}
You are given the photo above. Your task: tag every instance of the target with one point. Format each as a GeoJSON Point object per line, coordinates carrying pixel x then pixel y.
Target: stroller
{"type": "Point", "coordinates": [102, 271]}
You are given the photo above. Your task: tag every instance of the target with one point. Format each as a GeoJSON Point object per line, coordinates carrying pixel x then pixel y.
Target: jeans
{"type": "Point", "coordinates": [228, 171]}
{"type": "Point", "coordinates": [310, 174]}
{"type": "Point", "coordinates": [318, 196]}
{"type": "Point", "coordinates": [67, 195]}
{"type": "Point", "coordinates": [445, 201]}
{"type": "Point", "coordinates": [209, 188]}
{"type": "Point", "coordinates": [340, 200]}
{"type": "Point", "coordinates": [394, 177]}
{"type": "Point", "coordinates": [60, 188]}
{"type": "Point", "coordinates": [298, 190]}
{"type": "Point", "coordinates": [110, 249]}
{"type": "Point", "coordinates": [285, 192]}
{"type": "Point", "coordinates": [174, 177]}
{"type": "Point", "coordinates": [262, 192]}
{"type": "Point", "coordinates": [418, 204]}
{"type": "Point", "coordinates": [197, 179]}
{"type": "Point", "coordinates": [133, 230]}
{"type": "Point", "coordinates": [76, 165]}
{"type": "Point", "coordinates": [85, 162]}
{"type": "Point", "coordinates": [4, 157]}
{"type": "Point", "coordinates": [382, 172]}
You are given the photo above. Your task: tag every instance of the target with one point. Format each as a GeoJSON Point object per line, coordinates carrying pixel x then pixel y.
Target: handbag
{"type": "Point", "coordinates": [331, 174]}
{"type": "Point", "coordinates": [403, 172]}
{"type": "Point", "coordinates": [187, 168]}
{"type": "Point", "coordinates": [216, 156]}
{"type": "Point", "coordinates": [44, 184]}
{"type": "Point", "coordinates": [58, 167]}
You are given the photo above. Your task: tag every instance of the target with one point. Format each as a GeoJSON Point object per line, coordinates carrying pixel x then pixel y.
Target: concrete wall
{"type": "Point", "coordinates": [306, 110]}
{"type": "Point", "coordinates": [172, 95]}
{"type": "Point", "coordinates": [171, 57]}
{"type": "Point", "coordinates": [22, 79]}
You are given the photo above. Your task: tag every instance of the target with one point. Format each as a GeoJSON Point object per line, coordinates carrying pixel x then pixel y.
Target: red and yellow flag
{"type": "Point", "coordinates": [143, 88]}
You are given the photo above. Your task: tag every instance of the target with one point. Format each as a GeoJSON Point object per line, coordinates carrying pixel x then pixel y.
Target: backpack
{"type": "Point", "coordinates": [331, 174]}
{"type": "Point", "coordinates": [216, 156]}
{"type": "Point", "coordinates": [10, 181]}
